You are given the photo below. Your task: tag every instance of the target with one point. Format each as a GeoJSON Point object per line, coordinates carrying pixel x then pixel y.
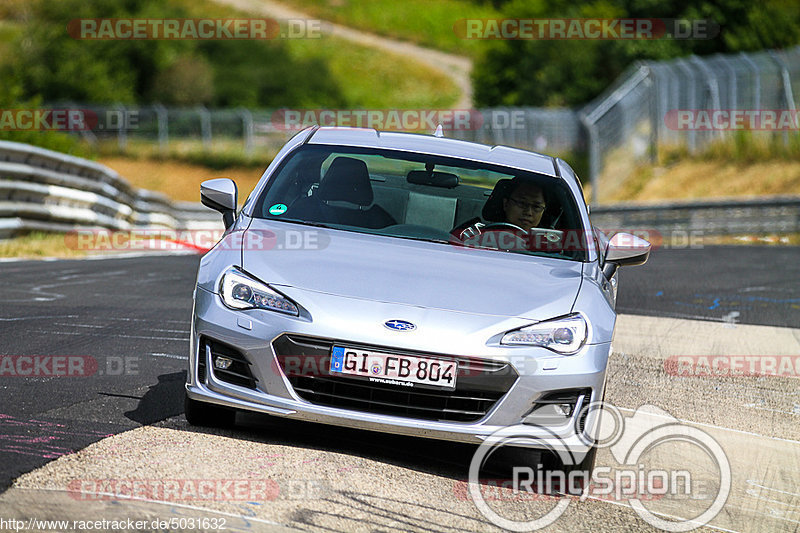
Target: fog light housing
{"type": "Point", "coordinates": [223, 363]}
{"type": "Point", "coordinates": [557, 407]}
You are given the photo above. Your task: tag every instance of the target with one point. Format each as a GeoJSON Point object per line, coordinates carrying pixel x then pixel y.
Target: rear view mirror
{"type": "Point", "coordinates": [445, 180]}
{"type": "Point", "coordinates": [625, 249]}
{"type": "Point", "coordinates": [221, 195]}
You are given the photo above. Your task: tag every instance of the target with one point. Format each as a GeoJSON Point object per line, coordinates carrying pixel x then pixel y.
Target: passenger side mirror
{"type": "Point", "coordinates": [625, 249]}
{"type": "Point", "coordinates": [221, 195]}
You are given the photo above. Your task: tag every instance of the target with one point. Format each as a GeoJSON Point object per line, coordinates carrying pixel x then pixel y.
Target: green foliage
{"type": "Point", "coordinates": [419, 21]}
{"type": "Point", "coordinates": [51, 64]}
{"type": "Point", "coordinates": [572, 72]}
{"type": "Point", "coordinates": [10, 99]}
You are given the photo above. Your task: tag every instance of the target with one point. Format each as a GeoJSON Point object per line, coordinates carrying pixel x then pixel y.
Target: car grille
{"type": "Point", "coordinates": [479, 384]}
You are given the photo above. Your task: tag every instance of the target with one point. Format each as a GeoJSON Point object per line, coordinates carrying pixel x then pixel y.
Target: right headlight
{"type": "Point", "coordinates": [562, 335]}
{"type": "Point", "coordinates": [240, 291]}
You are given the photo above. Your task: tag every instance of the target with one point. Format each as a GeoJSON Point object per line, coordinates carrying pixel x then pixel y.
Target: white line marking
{"type": "Point", "coordinates": [13, 319]}
{"type": "Point", "coordinates": [112, 336]}
{"type": "Point", "coordinates": [754, 406]}
{"type": "Point", "coordinates": [129, 319]}
{"type": "Point", "coordinates": [755, 484]}
{"type": "Point", "coordinates": [774, 516]}
{"type": "Point", "coordinates": [665, 515]}
{"type": "Point", "coordinates": [170, 356]}
{"type": "Point", "coordinates": [713, 426]}
{"type": "Point", "coordinates": [121, 255]}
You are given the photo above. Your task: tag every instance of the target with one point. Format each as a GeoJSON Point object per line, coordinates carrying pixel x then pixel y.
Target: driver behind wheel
{"type": "Point", "coordinates": [524, 205]}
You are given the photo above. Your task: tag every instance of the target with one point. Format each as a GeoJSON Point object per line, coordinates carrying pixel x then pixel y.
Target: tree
{"type": "Point", "coordinates": [572, 72]}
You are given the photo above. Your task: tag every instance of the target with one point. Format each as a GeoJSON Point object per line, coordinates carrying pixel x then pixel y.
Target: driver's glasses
{"type": "Point", "coordinates": [524, 206]}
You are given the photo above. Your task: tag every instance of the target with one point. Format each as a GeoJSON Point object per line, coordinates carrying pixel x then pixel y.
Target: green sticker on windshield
{"type": "Point", "coordinates": [278, 209]}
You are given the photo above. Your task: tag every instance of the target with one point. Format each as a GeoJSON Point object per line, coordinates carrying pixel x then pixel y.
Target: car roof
{"type": "Point", "coordinates": [429, 144]}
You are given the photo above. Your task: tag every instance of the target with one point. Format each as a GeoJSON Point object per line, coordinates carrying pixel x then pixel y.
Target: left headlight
{"type": "Point", "coordinates": [240, 291]}
{"type": "Point", "coordinates": [563, 335]}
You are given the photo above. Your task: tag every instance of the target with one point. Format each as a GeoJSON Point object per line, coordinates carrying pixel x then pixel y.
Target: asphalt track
{"type": "Point", "coordinates": [131, 316]}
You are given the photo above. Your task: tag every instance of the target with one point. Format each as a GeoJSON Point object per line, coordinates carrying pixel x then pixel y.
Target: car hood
{"type": "Point", "coordinates": [409, 272]}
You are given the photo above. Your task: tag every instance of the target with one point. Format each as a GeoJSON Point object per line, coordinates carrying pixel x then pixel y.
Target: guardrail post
{"type": "Point", "coordinates": [787, 89]}
{"type": "Point", "coordinates": [247, 128]}
{"type": "Point", "coordinates": [653, 89]}
{"type": "Point", "coordinates": [756, 79]}
{"type": "Point", "coordinates": [692, 102]}
{"type": "Point", "coordinates": [122, 132]}
{"type": "Point", "coordinates": [163, 127]}
{"type": "Point", "coordinates": [713, 86]}
{"type": "Point", "coordinates": [205, 126]}
{"type": "Point", "coordinates": [594, 156]}
{"type": "Point", "coordinates": [733, 95]}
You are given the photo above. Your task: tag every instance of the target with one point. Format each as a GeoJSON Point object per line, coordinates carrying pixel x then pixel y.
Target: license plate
{"type": "Point", "coordinates": [394, 369]}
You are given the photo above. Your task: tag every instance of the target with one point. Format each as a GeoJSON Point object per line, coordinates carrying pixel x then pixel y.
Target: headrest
{"type": "Point", "coordinates": [493, 208]}
{"type": "Point", "coordinates": [347, 180]}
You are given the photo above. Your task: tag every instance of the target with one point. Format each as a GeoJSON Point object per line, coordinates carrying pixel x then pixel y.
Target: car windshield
{"type": "Point", "coordinates": [425, 197]}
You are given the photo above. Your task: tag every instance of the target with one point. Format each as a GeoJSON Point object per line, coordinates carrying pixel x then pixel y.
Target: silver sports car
{"type": "Point", "coordinates": [410, 284]}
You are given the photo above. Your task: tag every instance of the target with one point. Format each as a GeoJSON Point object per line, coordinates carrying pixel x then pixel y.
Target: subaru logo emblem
{"type": "Point", "coordinates": [399, 325]}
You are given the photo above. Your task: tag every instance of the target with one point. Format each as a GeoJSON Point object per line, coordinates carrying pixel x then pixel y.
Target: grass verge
{"type": "Point", "coordinates": [419, 21]}
{"type": "Point", "coordinates": [37, 245]}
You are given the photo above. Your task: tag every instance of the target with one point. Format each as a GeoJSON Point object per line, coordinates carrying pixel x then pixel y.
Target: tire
{"type": "Point", "coordinates": [585, 468]}
{"type": "Point", "coordinates": [551, 464]}
{"type": "Point", "coordinates": [207, 414]}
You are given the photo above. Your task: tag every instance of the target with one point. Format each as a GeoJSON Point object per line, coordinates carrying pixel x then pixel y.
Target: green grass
{"type": "Point", "coordinates": [369, 78]}
{"type": "Point", "coordinates": [425, 22]}
{"type": "Point", "coordinates": [37, 245]}
{"type": "Point", "coordinates": [222, 154]}
{"type": "Point", "coordinates": [366, 77]}
{"type": "Point", "coordinates": [748, 147]}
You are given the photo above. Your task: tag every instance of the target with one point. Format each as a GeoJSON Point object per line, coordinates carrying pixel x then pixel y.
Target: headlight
{"type": "Point", "coordinates": [239, 291]}
{"type": "Point", "coordinates": [563, 335]}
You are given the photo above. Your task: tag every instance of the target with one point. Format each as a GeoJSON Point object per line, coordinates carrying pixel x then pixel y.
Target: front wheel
{"type": "Point", "coordinates": [208, 414]}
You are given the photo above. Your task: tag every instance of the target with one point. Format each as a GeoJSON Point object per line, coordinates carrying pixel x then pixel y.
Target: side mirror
{"type": "Point", "coordinates": [625, 249]}
{"type": "Point", "coordinates": [221, 195]}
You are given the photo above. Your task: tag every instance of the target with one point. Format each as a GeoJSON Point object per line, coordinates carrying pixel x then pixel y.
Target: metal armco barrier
{"type": "Point", "coordinates": [49, 191]}
{"type": "Point", "coordinates": [780, 214]}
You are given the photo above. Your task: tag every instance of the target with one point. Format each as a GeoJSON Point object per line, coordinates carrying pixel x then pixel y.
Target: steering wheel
{"type": "Point", "coordinates": [500, 236]}
{"type": "Point", "coordinates": [503, 226]}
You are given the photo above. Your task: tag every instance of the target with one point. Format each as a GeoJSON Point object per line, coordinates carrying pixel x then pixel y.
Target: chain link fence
{"type": "Point", "coordinates": [688, 102]}
{"type": "Point", "coordinates": [652, 105]}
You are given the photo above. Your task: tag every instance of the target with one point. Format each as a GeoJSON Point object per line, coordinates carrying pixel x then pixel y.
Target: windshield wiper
{"type": "Point", "coordinates": [302, 222]}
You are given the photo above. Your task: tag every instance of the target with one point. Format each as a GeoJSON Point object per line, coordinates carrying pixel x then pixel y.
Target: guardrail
{"type": "Point", "coordinates": [773, 215]}
{"type": "Point", "coordinates": [45, 190]}
{"type": "Point", "coordinates": [48, 191]}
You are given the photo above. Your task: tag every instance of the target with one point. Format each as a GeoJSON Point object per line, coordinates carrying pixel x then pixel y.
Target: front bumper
{"type": "Point", "coordinates": [252, 332]}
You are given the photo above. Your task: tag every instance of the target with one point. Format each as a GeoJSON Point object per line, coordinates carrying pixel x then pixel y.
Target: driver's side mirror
{"type": "Point", "coordinates": [625, 249]}
{"type": "Point", "coordinates": [221, 195]}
